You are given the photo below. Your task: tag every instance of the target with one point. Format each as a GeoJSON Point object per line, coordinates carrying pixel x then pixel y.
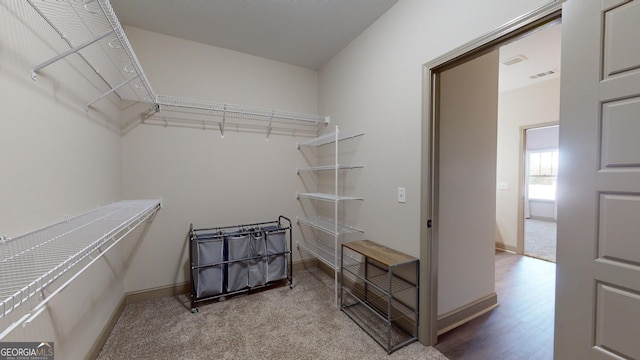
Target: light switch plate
{"type": "Point", "coordinates": [402, 195]}
{"type": "Point", "coordinates": [502, 185]}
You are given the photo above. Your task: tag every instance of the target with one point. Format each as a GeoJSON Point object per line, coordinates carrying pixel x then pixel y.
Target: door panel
{"type": "Point", "coordinates": [598, 269]}
{"type": "Point", "coordinates": [618, 322]}
{"type": "Point", "coordinates": [619, 23]}
{"type": "Point", "coordinates": [619, 228]}
{"type": "Point", "coordinates": [620, 128]}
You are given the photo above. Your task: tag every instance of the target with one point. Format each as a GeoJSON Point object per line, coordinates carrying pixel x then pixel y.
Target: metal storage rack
{"type": "Point", "coordinates": [231, 260]}
{"type": "Point", "coordinates": [380, 292]}
{"type": "Point", "coordinates": [30, 263]}
{"type": "Point", "coordinates": [328, 252]}
{"type": "Point", "coordinates": [93, 32]}
{"type": "Point", "coordinates": [200, 114]}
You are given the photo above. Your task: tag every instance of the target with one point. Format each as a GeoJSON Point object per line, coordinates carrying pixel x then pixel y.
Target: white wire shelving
{"type": "Point", "coordinates": [328, 252]}
{"type": "Point", "coordinates": [328, 167]}
{"type": "Point", "coordinates": [31, 262]}
{"type": "Point", "coordinates": [330, 138]}
{"type": "Point", "coordinates": [329, 226]}
{"type": "Point", "coordinates": [328, 197]}
{"type": "Point", "coordinates": [93, 32]}
{"type": "Point", "coordinates": [173, 111]}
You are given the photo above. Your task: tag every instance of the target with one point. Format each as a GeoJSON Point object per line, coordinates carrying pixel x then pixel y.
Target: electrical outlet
{"type": "Point", "coordinates": [402, 195]}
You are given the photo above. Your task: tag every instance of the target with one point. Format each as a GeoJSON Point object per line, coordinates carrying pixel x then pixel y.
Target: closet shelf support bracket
{"type": "Point", "coordinates": [109, 92]}
{"type": "Point", "coordinates": [269, 126]}
{"type": "Point", "coordinates": [67, 53]}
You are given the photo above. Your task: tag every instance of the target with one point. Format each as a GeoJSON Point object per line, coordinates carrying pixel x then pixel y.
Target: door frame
{"type": "Point", "coordinates": [519, 27]}
{"type": "Point", "coordinates": [522, 180]}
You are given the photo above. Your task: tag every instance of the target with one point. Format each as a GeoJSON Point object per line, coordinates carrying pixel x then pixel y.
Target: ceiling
{"type": "Point", "coordinates": [299, 32]}
{"type": "Point", "coordinates": [308, 33]}
{"type": "Point", "coordinates": [542, 52]}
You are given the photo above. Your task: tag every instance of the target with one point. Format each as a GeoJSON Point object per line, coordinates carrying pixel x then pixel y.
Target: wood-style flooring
{"type": "Point", "coordinates": [521, 328]}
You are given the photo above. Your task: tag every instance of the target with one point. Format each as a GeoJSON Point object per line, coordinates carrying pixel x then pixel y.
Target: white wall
{"type": "Point", "coordinates": [523, 107]}
{"type": "Point", "coordinates": [464, 227]}
{"type": "Point", "coordinates": [56, 160]}
{"type": "Point", "coordinates": [375, 85]}
{"type": "Point", "coordinates": [203, 179]}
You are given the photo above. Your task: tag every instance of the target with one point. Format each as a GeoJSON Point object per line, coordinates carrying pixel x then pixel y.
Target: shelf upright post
{"type": "Point", "coordinates": [335, 214]}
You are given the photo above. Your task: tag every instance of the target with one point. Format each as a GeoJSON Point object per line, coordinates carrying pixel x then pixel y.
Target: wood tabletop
{"type": "Point", "coordinates": [379, 253]}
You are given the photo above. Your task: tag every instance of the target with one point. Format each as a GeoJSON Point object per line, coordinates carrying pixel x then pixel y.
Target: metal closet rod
{"type": "Point", "coordinates": [165, 101]}
{"type": "Point", "coordinates": [170, 104]}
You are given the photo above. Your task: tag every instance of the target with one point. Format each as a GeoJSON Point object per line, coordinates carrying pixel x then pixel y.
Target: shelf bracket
{"type": "Point", "coordinates": [224, 118]}
{"type": "Point", "coordinates": [109, 92]}
{"type": "Point", "coordinates": [269, 126]}
{"type": "Point", "coordinates": [68, 52]}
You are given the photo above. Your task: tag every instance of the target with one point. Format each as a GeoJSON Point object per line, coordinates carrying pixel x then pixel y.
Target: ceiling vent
{"type": "Point", "coordinates": [543, 74]}
{"type": "Point", "coordinates": [514, 60]}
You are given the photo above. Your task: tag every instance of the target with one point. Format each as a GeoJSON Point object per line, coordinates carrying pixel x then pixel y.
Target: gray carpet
{"type": "Point", "coordinates": [278, 323]}
{"type": "Point", "coordinates": [540, 239]}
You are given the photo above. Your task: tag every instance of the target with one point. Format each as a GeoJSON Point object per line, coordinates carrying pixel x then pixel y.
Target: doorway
{"type": "Point", "coordinates": [432, 166]}
{"type": "Point", "coordinates": [541, 156]}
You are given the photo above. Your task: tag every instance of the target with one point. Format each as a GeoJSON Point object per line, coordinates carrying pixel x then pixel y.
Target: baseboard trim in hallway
{"type": "Point", "coordinates": [464, 314]}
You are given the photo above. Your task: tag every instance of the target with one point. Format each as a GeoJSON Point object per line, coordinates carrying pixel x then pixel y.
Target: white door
{"type": "Point", "coordinates": [598, 269]}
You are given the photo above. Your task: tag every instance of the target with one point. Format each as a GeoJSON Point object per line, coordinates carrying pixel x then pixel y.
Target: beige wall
{"type": "Point", "coordinates": [56, 160]}
{"type": "Point", "coordinates": [203, 179]}
{"type": "Point", "coordinates": [467, 134]}
{"type": "Point", "coordinates": [522, 107]}
{"type": "Point", "coordinates": [375, 85]}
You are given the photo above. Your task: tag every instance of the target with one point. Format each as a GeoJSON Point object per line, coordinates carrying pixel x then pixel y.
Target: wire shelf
{"type": "Point", "coordinates": [218, 116]}
{"type": "Point", "coordinates": [31, 262]}
{"type": "Point", "coordinates": [378, 302]}
{"type": "Point", "coordinates": [379, 278]}
{"type": "Point", "coordinates": [329, 167]}
{"type": "Point", "coordinates": [328, 197]}
{"type": "Point", "coordinates": [92, 31]}
{"type": "Point", "coordinates": [324, 253]}
{"type": "Point", "coordinates": [328, 225]}
{"type": "Point", "coordinates": [111, 57]}
{"type": "Point", "coordinates": [331, 138]}
{"type": "Point", "coordinates": [390, 336]}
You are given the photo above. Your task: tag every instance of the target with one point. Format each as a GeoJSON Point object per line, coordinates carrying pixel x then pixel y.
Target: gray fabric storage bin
{"type": "Point", "coordinates": [276, 267]}
{"type": "Point", "coordinates": [257, 267]}
{"type": "Point", "coordinates": [209, 280]}
{"type": "Point", "coordinates": [276, 241]}
{"type": "Point", "coordinates": [238, 272]}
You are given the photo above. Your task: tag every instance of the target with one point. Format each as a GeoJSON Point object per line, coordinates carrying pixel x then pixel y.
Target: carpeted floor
{"type": "Point", "coordinates": [278, 323]}
{"type": "Point", "coordinates": [540, 239]}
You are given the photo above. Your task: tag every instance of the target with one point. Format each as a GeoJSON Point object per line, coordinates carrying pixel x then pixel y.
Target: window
{"type": "Point", "coordinates": [543, 174]}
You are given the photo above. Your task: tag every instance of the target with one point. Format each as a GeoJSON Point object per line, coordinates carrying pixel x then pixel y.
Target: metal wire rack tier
{"type": "Point", "coordinates": [93, 32]}
{"type": "Point", "coordinates": [211, 115]}
{"type": "Point", "coordinates": [31, 262]}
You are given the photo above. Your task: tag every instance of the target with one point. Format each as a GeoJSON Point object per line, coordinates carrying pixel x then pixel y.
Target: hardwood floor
{"type": "Point", "coordinates": [521, 328]}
